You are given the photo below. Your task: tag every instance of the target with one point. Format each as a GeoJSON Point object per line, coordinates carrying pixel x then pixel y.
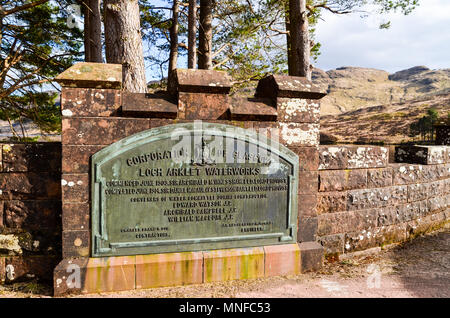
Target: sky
{"type": "Point", "coordinates": [420, 38]}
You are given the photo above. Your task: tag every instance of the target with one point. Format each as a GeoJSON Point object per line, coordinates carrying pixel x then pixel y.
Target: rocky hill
{"type": "Point", "coordinates": [368, 105]}
{"type": "Point", "coordinates": [351, 88]}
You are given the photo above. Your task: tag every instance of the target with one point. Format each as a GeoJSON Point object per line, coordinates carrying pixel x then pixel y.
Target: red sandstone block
{"type": "Point", "coordinates": [75, 159]}
{"type": "Point", "coordinates": [75, 187]}
{"type": "Point", "coordinates": [31, 157]}
{"type": "Point", "coordinates": [75, 216]}
{"type": "Point", "coordinates": [308, 158]}
{"type": "Point", "coordinates": [23, 268]}
{"type": "Point", "coordinates": [307, 229]}
{"type": "Point", "coordinates": [311, 256]}
{"type": "Point", "coordinates": [169, 269]}
{"type": "Point", "coordinates": [76, 243]}
{"type": "Point", "coordinates": [32, 215]}
{"type": "Point", "coordinates": [298, 110]}
{"type": "Point", "coordinates": [307, 205]}
{"type": "Point", "coordinates": [2, 270]}
{"type": "Point", "coordinates": [100, 130]}
{"type": "Point", "coordinates": [87, 102]}
{"type": "Point", "coordinates": [281, 260]}
{"type": "Point", "coordinates": [299, 134]}
{"type": "Point", "coordinates": [308, 182]}
{"type": "Point", "coordinates": [352, 157]}
{"type": "Point", "coordinates": [377, 178]}
{"type": "Point", "coordinates": [107, 274]}
{"type": "Point", "coordinates": [69, 276]}
{"type": "Point", "coordinates": [330, 202]}
{"type": "Point", "coordinates": [202, 105]}
{"type": "Point", "coordinates": [243, 263]}
{"type": "Point", "coordinates": [339, 180]}
{"type": "Point", "coordinates": [30, 186]}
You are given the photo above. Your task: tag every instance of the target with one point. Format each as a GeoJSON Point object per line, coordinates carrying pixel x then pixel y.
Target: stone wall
{"type": "Point", "coordinates": [94, 117]}
{"type": "Point", "coordinates": [364, 201]}
{"type": "Point", "coordinates": [30, 210]}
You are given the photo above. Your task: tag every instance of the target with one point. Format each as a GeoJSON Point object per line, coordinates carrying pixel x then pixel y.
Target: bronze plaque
{"type": "Point", "coordinates": [191, 187]}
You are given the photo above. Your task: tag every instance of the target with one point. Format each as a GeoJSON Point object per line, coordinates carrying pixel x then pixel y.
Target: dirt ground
{"type": "Point", "coordinates": [419, 268]}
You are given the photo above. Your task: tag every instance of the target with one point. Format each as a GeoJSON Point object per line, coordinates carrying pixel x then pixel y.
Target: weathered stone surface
{"type": "Point", "coordinates": [307, 205]}
{"type": "Point", "coordinates": [378, 197]}
{"type": "Point", "coordinates": [422, 191]}
{"type": "Point", "coordinates": [308, 158]}
{"type": "Point", "coordinates": [1, 216]}
{"type": "Point", "coordinates": [333, 244]}
{"type": "Point", "coordinates": [149, 105]}
{"type": "Point", "coordinates": [443, 134]}
{"type": "Point", "coordinates": [334, 223]}
{"type": "Point", "coordinates": [402, 213]}
{"type": "Point", "coordinates": [331, 202]}
{"type": "Point", "coordinates": [75, 159]}
{"type": "Point", "coordinates": [34, 215]}
{"type": "Point", "coordinates": [406, 174]}
{"type": "Point", "coordinates": [299, 134]}
{"type": "Point", "coordinates": [76, 102]}
{"type": "Point", "coordinates": [201, 81]}
{"type": "Point", "coordinates": [426, 155]}
{"type": "Point", "coordinates": [427, 224]}
{"type": "Point", "coordinates": [107, 274]}
{"type": "Point", "coordinates": [23, 268]}
{"type": "Point", "coordinates": [100, 131]}
{"type": "Point", "coordinates": [243, 263]}
{"type": "Point", "coordinates": [378, 178]}
{"type": "Point", "coordinates": [30, 186]}
{"type": "Point", "coordinates": [364, 239]}
{"type": "Point", "coordinates": [2, 270]}
{"type": "Point", "coordinates": [254, 109]}
{"type": "Point", "coordinates": [169, 269]}
{"type": "Point", "coordinates": [339, 180]}
{"type": "Point", "coordinates": [76, 216]}
{"type": "Point", "coordinates": [307, 229]}
{"type": "Point", "coordinates": [298, 110]}
{"type": "Point", "coordinates": [439, 203]}
{"type": "Point", "coordinates": [308, 182]}
{"type": "Point", "coordinates": [282, 260]}
{"type": "Point", "coordinates": [75, 187]}
{"type": "Point", "coordinates": [274, 86]}
{"type": "Point", "coordinates": [352, 157]}
{"type": "Point", "coordinates": [197, 106]}
{"type": "Point", "coordinates": [76, 243]}
{"type": "Point", "coordinates": [9, 244]}
{"type": "Point", "coordinates": [311, 256]}
{"type": "Point", "coordinates": [95, 75]}
{"type": "Point", "coordinates": [65, 276]}
{"type": "Point", "coordinates": [31, 157]}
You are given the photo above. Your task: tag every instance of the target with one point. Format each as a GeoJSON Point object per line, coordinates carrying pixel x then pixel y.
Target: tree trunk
{"type": "Point", "coordinates": [288, 38]}
{"type": "Point", "coordinates": [95, 32]}
{"type": "Point", "coordinates": [299, 39]}
{"type": "Point", "coordinates": [87, 28]}
{"type": "Point", "coordinates": [124, 42]}
{"type": "Point", "coordinates": [173, 56]}
{"type": "Point", "coordinates": [192, 34]}
{"type": "Point", "coordinates": [205, 35]}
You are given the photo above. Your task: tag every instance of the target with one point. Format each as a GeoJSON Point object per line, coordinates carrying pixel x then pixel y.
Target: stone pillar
{"type": "Point", "coordinates": [297, 103]}
{"type": "Point", "coordinates": [90, 92]}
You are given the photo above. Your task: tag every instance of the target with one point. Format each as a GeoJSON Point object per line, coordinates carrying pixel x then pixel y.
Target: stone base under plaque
{"type": "Point", "coordinates": [110, 274]}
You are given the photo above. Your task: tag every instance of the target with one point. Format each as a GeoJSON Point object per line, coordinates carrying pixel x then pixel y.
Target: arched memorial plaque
{"type": "Point", "coordinates": [191, 187]}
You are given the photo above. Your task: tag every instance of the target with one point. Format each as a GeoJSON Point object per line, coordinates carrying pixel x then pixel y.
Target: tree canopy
{"type": "Point", "coordinates": [36, 44]}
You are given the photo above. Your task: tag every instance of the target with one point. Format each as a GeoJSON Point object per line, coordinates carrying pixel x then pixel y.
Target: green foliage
{"type": "Point", "coordinates": [36, 44]}
{"type": "Point", "coordinates": [249, 37]}
{"type": "Point", "coordinates": [424, 126]}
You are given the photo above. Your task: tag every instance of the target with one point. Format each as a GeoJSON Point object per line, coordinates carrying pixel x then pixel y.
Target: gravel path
{"type": "Point", "coordinates": [419, 268]}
